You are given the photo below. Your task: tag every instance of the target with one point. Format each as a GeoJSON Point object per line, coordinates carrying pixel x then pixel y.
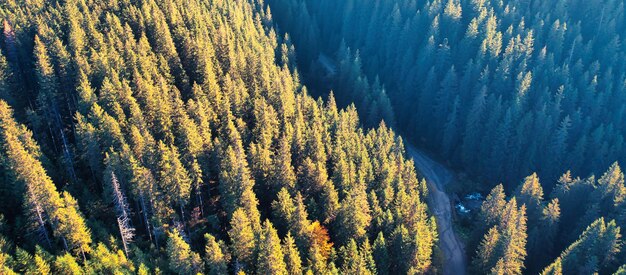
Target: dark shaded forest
{"type": "Point", "coordinates": [498, 90]}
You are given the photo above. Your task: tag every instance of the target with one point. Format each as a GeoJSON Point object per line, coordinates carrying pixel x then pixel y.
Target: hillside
{"type": "Point", "coordinates": [526, 98]}
{"type": "Point", "coordinates": [259, 137]}
{"type": "Point", "coordinates": [175, 137]}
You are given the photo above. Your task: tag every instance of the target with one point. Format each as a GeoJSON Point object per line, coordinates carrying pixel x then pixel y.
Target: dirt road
{"type": "Point", "coordinates": [437, 176]}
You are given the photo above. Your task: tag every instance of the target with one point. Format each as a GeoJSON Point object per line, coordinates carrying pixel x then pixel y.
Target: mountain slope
{"type": "Point", "coordinates": [175, 136]}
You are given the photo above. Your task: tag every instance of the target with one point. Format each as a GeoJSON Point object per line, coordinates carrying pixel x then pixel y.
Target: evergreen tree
{"type": "Point", "coordinates": [380, 254]}
{"type": "Point", "coordinates": [555, 268]}
{"type": "Point", "coordinates": [66, 264]}
{"type": "Point", "coordinates": [594, 249]}
{"type": "Point", "coordinates": [236, 183]}
{"type": "Point", "coordinates": [176, 119]}
{"type": "Point", "coordinates": [173, 178]}
{"type": "Point", "coordinates": [270, 258]}
{"type": "Point", "coordinates": [41, 196]}
{"type": "Point", "coordinates": [216, 259]}
{"type": "Point", "coordinates": [620, 271]}
{"type": "Point", "coordinates": [5, 78]}
{"type": "Point", "coordinates": [292, 255]}
{"type": "Point", "coordinates": [354, 215]}
{"type": "Point", "coordinates": [503, 248]}
{"type": "Point", "coordinates": [72, 226]}
{"type": "Point", "coordinates": [530, 193]}
{"type": "Point", "coordinates": [181, 259]}
{"type": "Point", "coordinates": [283, 175]}
{"type": "Point", "coordinates": [283, 210]}
{"type": "Point", "coordinates": [487, 251]}
{"type": "Point", "coordinates": [41, 266]}
{"type": "Point", "coordinates": [243, 238]}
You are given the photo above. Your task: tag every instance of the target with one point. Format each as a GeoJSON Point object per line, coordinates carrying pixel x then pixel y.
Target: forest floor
{"type": "Point", "coordinates": [437, 176]}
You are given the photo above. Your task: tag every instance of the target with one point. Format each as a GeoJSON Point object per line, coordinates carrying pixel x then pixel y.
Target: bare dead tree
{"type": "Point", "coordinates": [127, 232]}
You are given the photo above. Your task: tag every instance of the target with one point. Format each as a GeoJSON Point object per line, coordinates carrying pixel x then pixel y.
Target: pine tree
{"type": "Point", "coordinates": [487, 250]}
{"type": "Point", "coordinates": [270, 258]}
{"type": "Point", "coordinates": [555, 268]}
{"type": "Point", "coordinates": [45, 204]}
{"type": "Point", "coordinates": [66, 264]}
{"type": "Point", "coordinates": [173, 178]}
{"type": "Point", "coordinates": [380, 254]}
{"type": "Point", "coordinates": [49, 100]}
{"type": "Point", "coordinates": [41, 266]}
{"type": "Point", "coordinates": [22, 260]}
{"type": "Point", "coordinates": [292, 255]}
{"type": "Point", "coordinates": [530, 193]}
{"type": "Point", "coordinates": [16, 153]}
{"type": "Point", "coordinates": [594, 249]}
{"type": "Point", "coordinates": [448, 89]}
{"type": "Point", "coordinates": [300, 225]}
{"type": "Point", "coordinates": [4, 268]}
{"type": "Point", "coordinates": [5, 80]}
{"type": "Point", "coordinates": [515, 251]}
{"type": "Point", "coordinates": [542, 237]}
{"type": "Point", "coordinates": [216, 259]}
{"type": "Point", "coordinates": [243, 238]}
{"type": "Point", "coordinates": [611, 191]}
{"type": "Point", "coordinates": [503, 248]}
{"type": "Point", "coordinates": [283, 210]}
{"type": "Point", "coordinates": [143, 270]}
{"type": "Point", "coordinates": [354, 216]}
{"type": "Point", "coordinates": [473, 126]}
{"type": "Point", "coordinates": [236, 182]}
{"type": "Point", "coordinates": [354, 261]}
{"type": "Point", "coordinates": [489, 215]}
{"type": "Point", "coordinates": [450, 128]}
{"type": "Point", "coordinates": [559, 145]}
{"type": "Point", "coordinates": [317, 263]}
{"type": "Point", "coordinates": [283, 175]}
{"type": "Point", "coordinates": [104, 260]}
{"type": "Point", "coordinates": [72, 226]}
{"type": "Point", "coordinates": [493, 206]}
{"type": "Point", "coordinates": [400, 250]}
{"type": "Point", "coordinates": [181, 259]}
{"type": "Point", "coordinates": [621, 270]}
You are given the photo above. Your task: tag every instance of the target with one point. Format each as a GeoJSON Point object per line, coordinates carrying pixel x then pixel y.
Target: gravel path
{"type": "Point", "coordinates": [437, 176]}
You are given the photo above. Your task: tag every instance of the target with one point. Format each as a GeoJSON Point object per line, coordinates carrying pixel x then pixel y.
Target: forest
{"type": "Point", "coordinates": [263, 136]}
{"type": "Point", "coordinates": [158, 137]}
{"type": "Point", "coordinates": [507, 92]}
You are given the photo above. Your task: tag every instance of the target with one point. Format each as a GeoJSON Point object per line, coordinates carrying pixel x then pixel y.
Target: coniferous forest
{"type": "Point", "coordinates": [261, 137]}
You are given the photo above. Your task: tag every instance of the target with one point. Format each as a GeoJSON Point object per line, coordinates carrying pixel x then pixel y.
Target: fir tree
{"type": "Point", "coordinates": [292, 255]}
{"type": "Point", "coordinates": [216, 259]}
{"type": "Point", "coordinates": [270, 258]}
{"type": "Point", "coordinates": [243, 238]}
{"type": "Point", "coordinates": [181, 259]}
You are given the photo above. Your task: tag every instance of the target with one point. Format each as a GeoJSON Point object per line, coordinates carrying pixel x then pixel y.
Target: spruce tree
{"type": "Point", "coordinates": [380, 254]}
{"type": "Point", "coordinates": [242, 238]}
{"type": "Point", "coordinates": [216, 259]}
{"type": "Point", "coordinates": [292, 255]}
{"type": "Point", "coordinates": [270, 258]}
{"type": "Point", "coordinates": [181, 259]}
{"type": "Point", "coordinates": [595, 249]}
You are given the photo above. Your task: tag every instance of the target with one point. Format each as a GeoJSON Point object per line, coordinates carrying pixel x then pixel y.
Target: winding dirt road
{"type": "Point", "coordinates": [437, 176]}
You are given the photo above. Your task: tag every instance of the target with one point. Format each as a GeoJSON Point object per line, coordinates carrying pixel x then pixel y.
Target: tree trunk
{"type": "Point", "coordinates": [42, 226]}
{"type": "Point", "coordinates": [144, 214]}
